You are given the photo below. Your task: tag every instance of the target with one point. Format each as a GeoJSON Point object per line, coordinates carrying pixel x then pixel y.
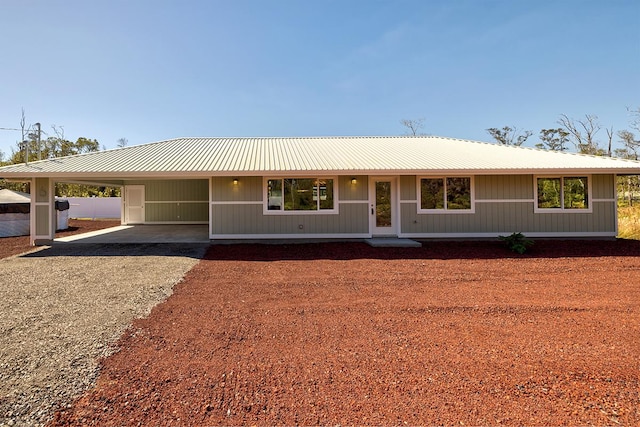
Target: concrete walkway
{"type": "Point", "coordinates": [198, 233]}
{"type": "Point", "coordinates": [392, 242]}
{"type": "Point", "coordinates": [172, 233]}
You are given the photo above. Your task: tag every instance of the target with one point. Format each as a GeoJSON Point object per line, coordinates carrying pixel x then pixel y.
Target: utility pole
{"type": "Point", "coordinates": [39, 132]}
{"type": "Point", "coordinates": [26, 148]}
{"type": "Point", "coordinates": [23, 122]}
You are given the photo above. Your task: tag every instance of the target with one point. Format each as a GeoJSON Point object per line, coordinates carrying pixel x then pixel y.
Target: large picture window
{"type": "Point", "coordinates": [300, 194]}
{"type": "Point", "coordinates": [563, 193]}
{"type": "Point", "coordinates": [445, 194]}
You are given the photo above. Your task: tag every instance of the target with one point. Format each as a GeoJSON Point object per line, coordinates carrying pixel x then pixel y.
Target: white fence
{"type": "Point", "coordinates": [94, 207]}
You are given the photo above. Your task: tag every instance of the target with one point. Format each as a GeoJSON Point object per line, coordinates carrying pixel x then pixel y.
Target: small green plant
{"type": "Point", "coordinates": [517, 242]}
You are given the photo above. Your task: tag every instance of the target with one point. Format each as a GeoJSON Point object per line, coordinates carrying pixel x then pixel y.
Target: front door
{"type": "Point", "coordinates": [383, 206]}
{"type": "Point", "coordinates": [134, 204]}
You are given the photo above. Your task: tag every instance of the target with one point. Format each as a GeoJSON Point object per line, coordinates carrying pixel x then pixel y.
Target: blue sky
{"type": "Point", "coordinates": [153, 70]}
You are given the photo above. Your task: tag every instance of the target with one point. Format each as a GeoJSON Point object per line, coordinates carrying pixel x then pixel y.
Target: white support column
{"type": "Point", "coordinates": [42, 215]}
{"type": "Point", "coordinates": [615, 203]}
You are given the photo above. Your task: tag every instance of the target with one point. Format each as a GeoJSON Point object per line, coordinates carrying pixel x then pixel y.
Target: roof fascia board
{"type": "Point", "coordinates": [18, 176]}
{"type": "Point", "coordinates": [94, 183]}
{"type": "Point", "coordinates": [592, 171]}
{"type": "Point", "coordinates": [109, 175]}
{"type": "Point", "coordinates": [26, 179]}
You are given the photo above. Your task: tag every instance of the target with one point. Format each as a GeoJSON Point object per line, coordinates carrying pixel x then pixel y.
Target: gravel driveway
{"type": "Point", "coordinates": [63, 308]}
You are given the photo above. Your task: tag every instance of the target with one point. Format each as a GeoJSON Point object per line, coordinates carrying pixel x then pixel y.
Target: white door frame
{"type": "Point", "coordinates": [133, 213]}
{"type": "Point", "coordinates": [394, 230]}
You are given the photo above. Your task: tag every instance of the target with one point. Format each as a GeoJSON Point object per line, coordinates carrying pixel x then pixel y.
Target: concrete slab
{"type": "Point", "coordinates": [172, 233]}
{"type": "Point", "coordinates": [198, 233]}
{"type": "Point", "coordinates": [392, 242]}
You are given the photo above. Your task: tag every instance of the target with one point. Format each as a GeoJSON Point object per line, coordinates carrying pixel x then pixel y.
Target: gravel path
{"type": "Point", "coordinates": [64, 307]}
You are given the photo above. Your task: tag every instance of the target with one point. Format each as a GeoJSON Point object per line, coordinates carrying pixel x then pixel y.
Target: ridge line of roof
{"type": "Point", "coordinates": [218, 142]}
{"type": "Point", "coordinates": [317, 137]}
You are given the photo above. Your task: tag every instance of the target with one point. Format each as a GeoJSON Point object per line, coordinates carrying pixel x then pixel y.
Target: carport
{"type": "Point", "coordinates": [168, 233]}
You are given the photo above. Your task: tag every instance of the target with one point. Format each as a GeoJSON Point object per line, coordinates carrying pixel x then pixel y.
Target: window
{"type": "Point", "coordinates": [558, 193]}
{"type": "Point", "coordinates": [274, 194]}
{"type": "Point", "coordinates": [300, 194]}
{"type": "Point", "coordinates": [446, 194]}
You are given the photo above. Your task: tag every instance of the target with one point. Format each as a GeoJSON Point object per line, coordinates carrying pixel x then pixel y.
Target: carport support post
{"type": "Point", "coordinates": [42, 215]}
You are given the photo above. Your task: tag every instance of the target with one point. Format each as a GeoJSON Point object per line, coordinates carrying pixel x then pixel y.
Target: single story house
{"type": "Point", "coordinates": [342, 187]}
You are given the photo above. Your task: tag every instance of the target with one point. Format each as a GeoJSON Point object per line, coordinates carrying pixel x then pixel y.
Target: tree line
{"type": "Point", "coordinates": [581, 134]}
{"type": "Point", "coordinates": [33, 148]}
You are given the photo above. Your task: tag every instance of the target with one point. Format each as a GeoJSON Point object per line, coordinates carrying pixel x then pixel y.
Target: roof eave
{"type": "Point", "coordinates": [207, 174]}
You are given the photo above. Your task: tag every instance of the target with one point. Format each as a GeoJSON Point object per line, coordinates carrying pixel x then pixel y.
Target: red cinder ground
{"type": "Point", "coordinates": [454, 333]}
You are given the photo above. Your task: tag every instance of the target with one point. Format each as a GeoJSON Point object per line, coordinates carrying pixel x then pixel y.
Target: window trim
{"type": "Point", "coordinates": [562, 209]}
{"type": "Point", "coordinates": [265, 201]}
{"type": "Point", "coordinates": [472, 210]}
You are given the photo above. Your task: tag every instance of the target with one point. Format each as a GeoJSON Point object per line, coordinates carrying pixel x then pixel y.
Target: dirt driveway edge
{"type": "Point", "coordinates": [64, 307]}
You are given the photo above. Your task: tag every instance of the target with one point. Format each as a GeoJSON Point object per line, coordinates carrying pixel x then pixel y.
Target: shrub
{"type": "Point", "coordinates": [629, 222]}
{"type": "Point", "coordinates": [517, 242]}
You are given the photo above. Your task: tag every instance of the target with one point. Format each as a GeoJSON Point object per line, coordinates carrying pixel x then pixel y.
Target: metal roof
{"type": "Point", "coordinates": [330, 155]}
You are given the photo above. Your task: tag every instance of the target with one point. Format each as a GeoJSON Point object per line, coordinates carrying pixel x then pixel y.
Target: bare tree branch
{"type": "Point", "coordinates": [610, 138]}
{"type": "Point", "coordinates": [635, 122]}
{"type": "Point", "coordinates": [413, 125]}
{"type": "Point", "coordinates": [54, 145]}
{"type": "Point", "coordinates": [24, 144]}
{"type": "Point", "coordinates": [582, 133]}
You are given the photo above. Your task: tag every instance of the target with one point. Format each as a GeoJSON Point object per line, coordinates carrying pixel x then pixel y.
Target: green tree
{"type": "Point", "coordinates": [554, 139]}
{"type": "Point", "coordinates": [629, 185]}
{"type": "Point", "coordinates": [53, 147]}
{"type": "Point", "coordinates": [509, 135]}
{"type": "Point", "coordinates": [630, 145]}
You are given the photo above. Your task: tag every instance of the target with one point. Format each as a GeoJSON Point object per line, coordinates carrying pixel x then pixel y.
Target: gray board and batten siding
{"type": "Point", "coordinates": [502, 204]}
{"type": "Point", "coordinates": [237, 211]}
{"type": "Point", "coordinates": [505, 204]}
{"type": "Point", "coordinates": [175, 201]}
